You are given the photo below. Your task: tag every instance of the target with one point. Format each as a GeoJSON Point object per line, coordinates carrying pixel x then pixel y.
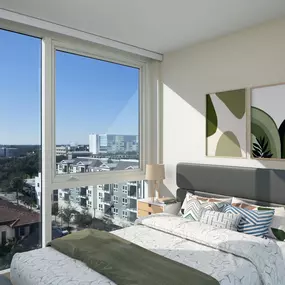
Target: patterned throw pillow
{"type": "Point", "coordinates": [210, 199]}
{"type": "Point", "coordinates": [277, 226]}
{"type": "Point", "coordinates": [252, 222]}
{"type": "Point", "coordinates": [220, 220]}
{"type": "Point", "coordinates": [190, 196]}
{"type": "Point", "coordinates": [194, 208]}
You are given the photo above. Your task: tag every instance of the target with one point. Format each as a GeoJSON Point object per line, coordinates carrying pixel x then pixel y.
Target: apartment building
{"type": "Point", "coordinates": [80, 164]}
{"type": "Point", "coordinates": [36, 184]}
{"type": "Point", "coordinates": [117, 202]}
{"type": "Point", "coordinates": [61, 150]}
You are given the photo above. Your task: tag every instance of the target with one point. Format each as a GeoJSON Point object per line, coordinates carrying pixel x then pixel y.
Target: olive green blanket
{"type": "Point", "coordinates": [126, 263]}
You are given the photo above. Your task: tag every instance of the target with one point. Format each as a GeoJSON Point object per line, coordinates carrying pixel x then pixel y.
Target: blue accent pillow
{"type": "Point", "coordinates": [252, 222]}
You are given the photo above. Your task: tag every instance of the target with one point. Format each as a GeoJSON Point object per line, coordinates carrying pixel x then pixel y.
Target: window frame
{"type": "Point", "coordinates": [125, 214]}
{"type": "Point", "coordinates": [91, 178]}
{"type": "Point", "coordinates": [101, 205]}
{"type": "Point", "coordinates": [116, 199]}
{"type": "Point", "coordinates": [150, 100]}
{"type": "Point", "coordinates": [125, 199]}
{"type": "Point", "coordinates": [115, 211]}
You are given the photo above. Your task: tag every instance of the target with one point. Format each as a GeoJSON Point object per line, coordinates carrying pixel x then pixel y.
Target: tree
{"type": "Point", "coordinates": [83, 219]}
{"type": "Point", "coordinates": [28, 201]}
{"type": "Point", "coordinates": [67, 213]}
{"type": "Point", "coordinates": [17, 185]}
{"type": "Point", "coordinates": [54, 210]}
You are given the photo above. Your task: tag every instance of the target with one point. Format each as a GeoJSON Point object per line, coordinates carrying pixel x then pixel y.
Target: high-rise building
{"type": "Point", "coordinates": [93, 138]}
{"type": "Point", "coordinates": [9, 152]}
{"type": "Point", "coordinates": [2, 152]}
{"type": "Point", "coordinates": [110, 143]}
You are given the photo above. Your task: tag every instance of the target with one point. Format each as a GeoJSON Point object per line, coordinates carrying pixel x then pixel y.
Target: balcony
{"type": "Point", "coordinates": [132, 217]}
{"type": "Point", "coordinates": [107, 187]}
{"type": "Point", "coordinates": [83, 191]}
{"type": "Point", "coordinates": [66, 197]}
{"type": "Point", "coordinates": [132, 193]}
{"type": "Point", "coordinates": [132, 206]}
{"type": "Point", "coordinates": [108, 211]}
{"type": "Point", "coordinates": [83, 202]}
{"type": "Point", "coordinates": [107, 198]}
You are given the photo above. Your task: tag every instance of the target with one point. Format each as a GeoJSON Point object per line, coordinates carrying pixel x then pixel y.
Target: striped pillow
{"type": "Point", "coordinates": [194, 208]}
{"type": "Point", "coordinates": [252, 222]}
{"type": "Point", "coordinates": [277, 228]}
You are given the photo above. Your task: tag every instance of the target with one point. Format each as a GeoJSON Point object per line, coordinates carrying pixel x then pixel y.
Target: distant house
{"type": "Point", "coordinates": [16, 221]}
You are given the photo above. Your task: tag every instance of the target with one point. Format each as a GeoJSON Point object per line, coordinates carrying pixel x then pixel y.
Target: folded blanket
{"type": "Point", "coordinates": [126, 263]}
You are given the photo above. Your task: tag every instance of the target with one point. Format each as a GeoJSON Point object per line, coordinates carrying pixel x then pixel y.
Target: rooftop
{"type": "Point", "coordinates": [15, 215]}
{"type": "Point", "coordinates": [124, 164]}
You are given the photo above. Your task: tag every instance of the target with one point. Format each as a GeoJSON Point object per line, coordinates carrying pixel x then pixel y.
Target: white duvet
{"type": "Point", "coordinates": [230, 257]}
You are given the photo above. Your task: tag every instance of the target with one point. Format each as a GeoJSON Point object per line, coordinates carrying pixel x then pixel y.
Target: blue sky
{"type": "Point", "coordinates": [92, 96]}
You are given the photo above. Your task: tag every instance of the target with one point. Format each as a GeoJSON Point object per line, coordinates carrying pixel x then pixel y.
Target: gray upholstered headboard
{"type": "Point", "coordinates": [256, 185]}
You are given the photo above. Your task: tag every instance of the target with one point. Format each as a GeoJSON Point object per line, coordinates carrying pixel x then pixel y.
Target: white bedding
{"type": "Point", "coordinates": [174, 238]}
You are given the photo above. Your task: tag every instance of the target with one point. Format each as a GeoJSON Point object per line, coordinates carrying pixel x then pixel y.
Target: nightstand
{"type": "Point", "coordinates": [147, 207]}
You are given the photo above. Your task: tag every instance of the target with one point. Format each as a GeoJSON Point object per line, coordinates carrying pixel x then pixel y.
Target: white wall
{"type": "Point", "coordinates": [249, 58]}
{"type": "Point", "coordinates": [10, 233]}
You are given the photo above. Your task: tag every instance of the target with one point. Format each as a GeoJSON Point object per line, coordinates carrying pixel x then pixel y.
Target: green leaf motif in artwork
{"type": "Point", "coordinates": [279, 234]}
{"type": "Point", "coordinates": [228, 145]}
{"type": "Point", "coordinates": [234, 100]}
{"type": "Point", "coordinates": [260, 148]}
{"type": "Point", "coordinates": [281, 131]}
{"type": "Point", "coordinates": [211, 117]}
{"type": "Point", "coordinates": [263, 127]}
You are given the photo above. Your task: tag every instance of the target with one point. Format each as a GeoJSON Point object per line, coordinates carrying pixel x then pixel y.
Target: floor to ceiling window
{"type": "Point", "coordinates": [20, 144]}
{"type": "Point", "coordinates": [77, 128]}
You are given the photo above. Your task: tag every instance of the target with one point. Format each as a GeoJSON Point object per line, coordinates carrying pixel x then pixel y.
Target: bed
{"type": "Point", "coordinates": [228, 256]}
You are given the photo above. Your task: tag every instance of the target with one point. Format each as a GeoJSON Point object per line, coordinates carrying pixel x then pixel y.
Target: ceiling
{"type": "Point", "coordinates": [156, 25]}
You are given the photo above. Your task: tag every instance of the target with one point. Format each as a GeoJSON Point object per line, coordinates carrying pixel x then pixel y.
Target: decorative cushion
{"type": "Point", "coordinates": [228, 221]}
{"type": "Point", "coordinates": [194, 208]}
{"type": "Point", "coordinates": [242, 204]}
{"type": "Point", "coordinates": [277, 226]}
{"type": "Point", "coordinates": [210, 199]}
{"type": "Point", "coordinates": [190, 196]}
{"type": "Point", "coordinates": [253, 222]}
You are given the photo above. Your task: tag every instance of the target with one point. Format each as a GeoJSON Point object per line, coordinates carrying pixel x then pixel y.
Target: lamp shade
{"type": "Point", "coordinates": [155, 172]}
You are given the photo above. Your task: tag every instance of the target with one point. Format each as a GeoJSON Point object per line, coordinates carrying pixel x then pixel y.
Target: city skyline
{"type": "Point", "coordinates": [68, 143]}
{"type": "Point", "coordinates": [92, 96]}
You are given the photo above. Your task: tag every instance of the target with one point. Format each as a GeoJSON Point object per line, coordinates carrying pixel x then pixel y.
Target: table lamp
{"type": "Point", "coordinates": [156, 173]}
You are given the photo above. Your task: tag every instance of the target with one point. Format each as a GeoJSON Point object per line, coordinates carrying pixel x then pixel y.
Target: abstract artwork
{"type": "Point", "coordinates": [226, 124]}
{"type": "Point", "coordinates": [268, 122]}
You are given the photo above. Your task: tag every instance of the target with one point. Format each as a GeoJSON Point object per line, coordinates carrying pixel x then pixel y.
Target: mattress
{"type": "Point", "coordinates": [47, 266]}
